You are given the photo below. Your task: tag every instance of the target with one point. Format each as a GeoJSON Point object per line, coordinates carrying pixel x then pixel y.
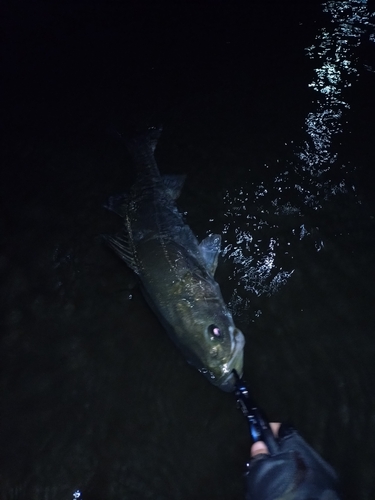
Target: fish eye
{"type": "Point", "coordinates": [214, 331]}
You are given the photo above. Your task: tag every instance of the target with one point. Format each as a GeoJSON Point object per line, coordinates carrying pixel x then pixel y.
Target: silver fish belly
{"type": "Point", "coordinates": [175, 270]}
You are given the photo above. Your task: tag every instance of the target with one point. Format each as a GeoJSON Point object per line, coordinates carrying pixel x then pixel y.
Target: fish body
{"type": "Point", "coordinates": [175, 270]}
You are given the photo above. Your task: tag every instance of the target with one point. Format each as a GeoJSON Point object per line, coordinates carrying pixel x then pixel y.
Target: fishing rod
{"type": "Point", "coordinates": [259, 426]}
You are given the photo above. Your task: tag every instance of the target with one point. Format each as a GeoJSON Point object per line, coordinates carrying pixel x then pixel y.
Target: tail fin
{"type": "Point", "coordinates": [141, 147]}
{"type": "Point", "coordinates": [143, 142]}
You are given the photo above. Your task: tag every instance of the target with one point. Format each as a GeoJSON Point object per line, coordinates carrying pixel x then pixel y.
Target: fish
{"type": "Point", "coordinates": [175, 271]}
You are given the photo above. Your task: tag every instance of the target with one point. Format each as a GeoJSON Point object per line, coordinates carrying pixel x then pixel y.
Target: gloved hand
{"type": "Point", "coordinates": [295, 472]}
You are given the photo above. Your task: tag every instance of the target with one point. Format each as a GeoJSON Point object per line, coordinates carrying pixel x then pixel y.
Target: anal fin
{"type": "Point", "coordinates": [117, 203]}
{"type": "Point", "coordinates": [173, 184]}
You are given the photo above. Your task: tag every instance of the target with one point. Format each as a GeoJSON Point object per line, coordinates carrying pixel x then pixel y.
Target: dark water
{"type": "Point", "coordinates": [277, 144]}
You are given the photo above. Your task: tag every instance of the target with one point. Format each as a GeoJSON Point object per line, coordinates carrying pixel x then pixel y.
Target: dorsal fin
{"type": "Point", "coordinates": [210, 249]}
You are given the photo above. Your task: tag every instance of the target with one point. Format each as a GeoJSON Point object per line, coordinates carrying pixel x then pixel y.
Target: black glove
{"type": "Point", "coordinates": [295, 472]}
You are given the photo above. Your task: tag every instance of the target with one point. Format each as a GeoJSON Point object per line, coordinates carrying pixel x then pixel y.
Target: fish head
{"type": "Point", "coordinates": [224, 354]}
{"type": "Point", "coordinates": [211, 341]}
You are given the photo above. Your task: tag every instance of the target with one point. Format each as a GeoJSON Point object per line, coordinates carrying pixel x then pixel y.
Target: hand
{"type": "Point", "coordinates": [260, 448]}
{"type": "Point", "coordinates": [295, 471]}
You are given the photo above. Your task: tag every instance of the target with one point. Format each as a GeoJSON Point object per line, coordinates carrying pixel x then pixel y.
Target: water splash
{"type": "Point", "coordinates": [265, 221]}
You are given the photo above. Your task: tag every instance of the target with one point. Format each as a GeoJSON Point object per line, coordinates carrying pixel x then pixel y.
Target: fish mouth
{"type": "Point", "coordinates": [227, 382]}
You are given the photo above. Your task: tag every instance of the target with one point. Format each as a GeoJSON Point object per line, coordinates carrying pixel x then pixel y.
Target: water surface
{"type": "Point", "coordinates": [269, 111]}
